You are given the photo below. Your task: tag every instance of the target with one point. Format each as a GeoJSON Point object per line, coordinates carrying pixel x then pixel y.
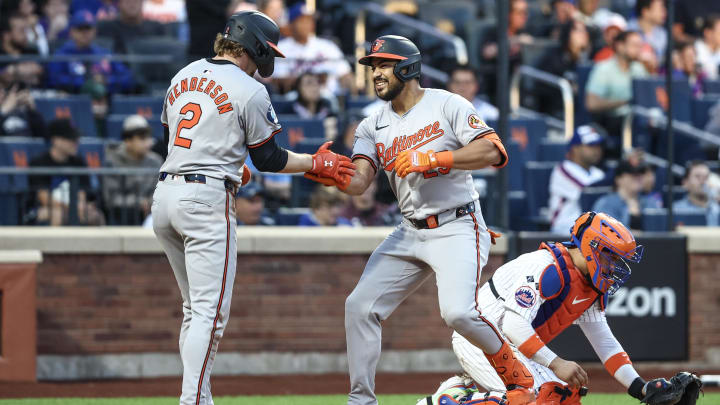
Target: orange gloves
{"type": "Point", "coordinates": [331, 169]}
{"type": "Point", "coordinates": [411, 161]}
{"type": "Point", "coordinates": [246, 175]}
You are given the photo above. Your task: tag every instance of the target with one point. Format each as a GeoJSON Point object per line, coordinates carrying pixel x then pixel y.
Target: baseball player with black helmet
{"type": "Point", "coordinates": [426, 141]}
{"type": "Point", "coordinates": [215, 114]}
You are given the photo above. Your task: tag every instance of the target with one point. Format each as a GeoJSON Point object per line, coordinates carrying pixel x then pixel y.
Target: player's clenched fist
{"type": "Point", "coordinates": [331, 169]}
{"type": "Point", "coordinates": [411, 161]}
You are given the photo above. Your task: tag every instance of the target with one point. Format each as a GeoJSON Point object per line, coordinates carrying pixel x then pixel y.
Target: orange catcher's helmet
{"type": "Point", "coordinates": [607, 245]}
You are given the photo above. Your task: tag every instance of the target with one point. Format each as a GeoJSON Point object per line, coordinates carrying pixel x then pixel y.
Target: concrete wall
{"type": "Point", "coordinates": [108, 304]}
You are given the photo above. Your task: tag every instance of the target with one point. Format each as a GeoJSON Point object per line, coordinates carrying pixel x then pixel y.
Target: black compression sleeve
{"type": "Point", "coordinates": [269, 157]}
{"type": "Point", "coordinates": [636, 387]}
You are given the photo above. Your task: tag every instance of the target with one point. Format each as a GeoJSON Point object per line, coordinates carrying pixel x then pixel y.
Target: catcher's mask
{"type": "Point", "coordinates": [607, 245]}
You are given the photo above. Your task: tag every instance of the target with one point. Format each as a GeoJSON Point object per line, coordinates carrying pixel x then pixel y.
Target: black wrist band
{"type": "Point", "coordinates": [636, 387]}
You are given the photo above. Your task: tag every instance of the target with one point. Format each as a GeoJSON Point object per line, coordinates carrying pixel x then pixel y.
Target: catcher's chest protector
{"type": "Point", "coordinates": [567, 294]}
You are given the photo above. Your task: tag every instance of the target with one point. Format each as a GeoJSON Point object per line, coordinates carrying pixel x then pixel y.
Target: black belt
{"type": "Point", "coordinates": [433, 221]}
{"type": "Point", "coordinates": [494, 291]}
{"type": "Point", "coordinates": [197, 178]}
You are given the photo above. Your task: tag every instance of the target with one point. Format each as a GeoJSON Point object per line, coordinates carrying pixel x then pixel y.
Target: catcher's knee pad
{"type": "Point", "coordinates": [553, 393]}
{"type": "Point", "coordinates": [511, 370]}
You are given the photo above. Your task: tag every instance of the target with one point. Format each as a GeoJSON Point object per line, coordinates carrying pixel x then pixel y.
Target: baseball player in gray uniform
{"type": "Point", "coordinates": [216, 114]}
{"type": "Point", "coordinates": [426, 141]}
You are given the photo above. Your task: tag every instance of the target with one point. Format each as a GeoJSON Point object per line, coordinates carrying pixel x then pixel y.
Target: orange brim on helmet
{"type": "Point", "coordinates": [275, 48]}
{"type": "Point", "coordinates": [367, 59]}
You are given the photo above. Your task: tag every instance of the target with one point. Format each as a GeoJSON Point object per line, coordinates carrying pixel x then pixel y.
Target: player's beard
{"type": "Point", "coordinates": [391, 90]}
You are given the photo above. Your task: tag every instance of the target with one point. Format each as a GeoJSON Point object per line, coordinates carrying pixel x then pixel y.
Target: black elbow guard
{"type": "Point", "coordinates": [269, 157]}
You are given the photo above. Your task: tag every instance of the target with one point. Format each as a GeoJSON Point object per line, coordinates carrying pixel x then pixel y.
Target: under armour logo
{"type": "Point", "coordinates": [328, 163]}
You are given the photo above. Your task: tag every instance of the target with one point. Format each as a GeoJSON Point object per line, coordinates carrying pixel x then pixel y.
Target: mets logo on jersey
{"type": "Point", "coordinates": [475, 122]}
{"type": "Point", "coordinates": [525, 296]}
{"type": "Point", "coordinates": [377, 45]}
{"type": "Point", "coordinates": [271, 116]}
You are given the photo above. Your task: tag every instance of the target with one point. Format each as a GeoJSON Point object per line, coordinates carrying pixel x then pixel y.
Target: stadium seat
{"type": "Point", "coordinates": [15, 151]}
{"type": "Point", "coordinates": [552, 151]}
{"type": "Point", "coordinates": [477, 31]}
{"type": "Point", "coordinates": [582, 116]}
{"type": "Point", "coordinates": [289, 216]}
{"type": "Point", "coordinates": [147, 106]}
{"type": "Point", "coordinates": [296, 129]}
{"type": "Point", "coordinates": [701, 110]}
{"type": "Point", "coordinates": [76, 108]}
{"type": "Point", "coordinates": [656, 219]}
{"type": "Point", "coordinates": [712, 87]}
{"type": "Point", "coordinates": [457, 11]}
{"type": "Point", "coordinates": [651, 93]}
{"type": "Point", "coordinates": [528, 133]}
{"type": "Point", "coordinates": [153, 46]}
{"type": "Point", "coordinates": [114, 123]}
{"type": "Point", "coordinates": [537, 183]}
{"type": "Point", "coordinates": [517, 158]}
{"type": "Point", "coordinates": [92, 150]}
{"type": "Point", "coordinates": [358, 102]}
{"type": "Point", "coordinates": [282, 106]}
{"type": "Point", "coordinates": [592, 194]}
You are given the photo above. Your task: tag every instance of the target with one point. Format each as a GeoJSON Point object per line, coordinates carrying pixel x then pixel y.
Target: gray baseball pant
{"type": "Point", "coordinates": [455, 252]}
{"type": "Point", "coordinates": [195, 224]}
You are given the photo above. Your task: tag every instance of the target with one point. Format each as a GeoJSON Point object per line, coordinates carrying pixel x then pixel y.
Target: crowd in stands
{"type": "Point", "coordinates": [94, 49]}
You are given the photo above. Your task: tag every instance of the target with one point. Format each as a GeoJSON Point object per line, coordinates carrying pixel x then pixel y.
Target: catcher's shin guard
{"type": "Point", "coordinates": [520, 396]}
{"type": "Point", "coordinates": [511, 370]}
{"type": "Point", "coordinates": [553, 393]}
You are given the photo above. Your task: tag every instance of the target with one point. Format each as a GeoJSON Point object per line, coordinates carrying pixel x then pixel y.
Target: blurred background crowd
{"type": "Point", "coordinates": [82, 84]}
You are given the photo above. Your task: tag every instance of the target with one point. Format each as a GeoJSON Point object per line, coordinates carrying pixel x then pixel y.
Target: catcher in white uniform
{"type": "Point", "coordinates": [443, 232]}
{"type": "Point", "coordinates": [538, 295]}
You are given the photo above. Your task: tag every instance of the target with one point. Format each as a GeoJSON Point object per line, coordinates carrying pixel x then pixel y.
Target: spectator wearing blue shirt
{"type": "Point", "coordinates": [96, 77]}
{"type": "Point", "coordinates": [626, 203]}
{"type": "Point", "coordinates": [698, 198]}
{"type": "Point", "coordinates": [326, 204]}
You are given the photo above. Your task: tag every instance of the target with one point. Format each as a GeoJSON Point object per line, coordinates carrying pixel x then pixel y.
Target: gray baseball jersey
{"type": "Point", "coordinates": [215, 112]}
{"type": "Point", "coordinates": [455, 251]}
{"type": "Point", "coordinates": [439, 121]}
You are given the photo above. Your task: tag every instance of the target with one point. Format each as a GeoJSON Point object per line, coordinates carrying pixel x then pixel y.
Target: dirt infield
{"type": "Point", "coordinates": [268, 385]}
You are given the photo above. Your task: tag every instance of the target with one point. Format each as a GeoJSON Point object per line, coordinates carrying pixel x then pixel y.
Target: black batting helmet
{"type": "Point", "coordinates": [258, 35]}
{"type": "Point", "coordinates": [398, 48]}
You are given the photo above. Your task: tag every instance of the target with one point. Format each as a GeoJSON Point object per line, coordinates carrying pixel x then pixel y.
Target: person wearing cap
{"type": "Point", "coordinates": [128, 197]}
{"type": "Point", "coordinates": [129, 25]}
{"type": "Point", "coordinates": [305, 51]}
{"type": "Point", "coordinates": [626, 203]}
{"type": "Point", "coordinates": [250, 206]}
{"type": "Point", "coordinates": [94, 77]}
{"type": "Point", "coordinates": [52, 198]}
{"type": "Point", "coordinates": [613, 25]}
{"type": "Point", "coordinates": [571, 176]}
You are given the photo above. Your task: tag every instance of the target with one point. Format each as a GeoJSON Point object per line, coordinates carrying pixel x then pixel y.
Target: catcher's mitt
{"type": "Point", "coordinates": [682, 389]}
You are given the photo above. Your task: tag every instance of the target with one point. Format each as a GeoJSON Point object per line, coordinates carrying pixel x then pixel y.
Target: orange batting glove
{"type": "Point", "coordinates": [411, 161]}
{"type": "Point", "coordinates": [246, 175]}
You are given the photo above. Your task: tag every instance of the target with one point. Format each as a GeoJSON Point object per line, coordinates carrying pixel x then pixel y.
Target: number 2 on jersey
{"type": "Point", "coordinates": [187, 123]}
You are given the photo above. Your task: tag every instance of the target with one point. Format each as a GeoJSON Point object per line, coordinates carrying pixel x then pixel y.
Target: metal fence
{"type": "Point", "coordinates": [75, 196]}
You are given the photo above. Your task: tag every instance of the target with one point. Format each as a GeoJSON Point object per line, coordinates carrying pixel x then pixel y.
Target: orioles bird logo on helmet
{"type": "Point", "coordinates": [377, 45]}
{"type": "Point", "coordinates": [607, 245]}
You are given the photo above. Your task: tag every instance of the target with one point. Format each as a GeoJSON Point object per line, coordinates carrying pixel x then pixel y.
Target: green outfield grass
{"type": "Point", "coordinates": [593, 399]}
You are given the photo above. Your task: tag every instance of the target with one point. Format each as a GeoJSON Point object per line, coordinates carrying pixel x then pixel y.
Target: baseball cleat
{"type": "Point", "coordinates": [451, 391]}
